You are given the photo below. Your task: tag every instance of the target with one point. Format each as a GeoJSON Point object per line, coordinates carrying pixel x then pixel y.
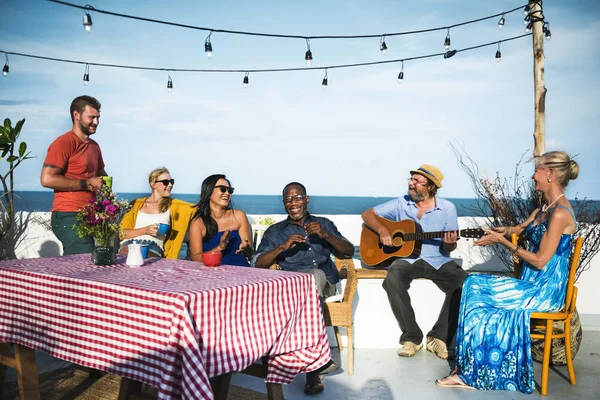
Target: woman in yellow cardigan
{"type": "Point", "coordinates": [141, 222]}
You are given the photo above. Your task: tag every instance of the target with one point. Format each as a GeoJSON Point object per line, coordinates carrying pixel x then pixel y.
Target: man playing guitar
{"type": "Point", "coordinates": [432, 213]}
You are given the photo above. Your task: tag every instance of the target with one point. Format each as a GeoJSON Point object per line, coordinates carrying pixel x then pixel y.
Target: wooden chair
{"type": "Point", "coordinates": [338, 314]}
{"type": "Point", "coordinates": [542, 323]}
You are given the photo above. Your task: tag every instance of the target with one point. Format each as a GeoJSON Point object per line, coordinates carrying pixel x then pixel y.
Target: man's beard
{"type": "Point", "coordinates": [85, 129]}
{"type": "Point", "coordinates": [415, 196]}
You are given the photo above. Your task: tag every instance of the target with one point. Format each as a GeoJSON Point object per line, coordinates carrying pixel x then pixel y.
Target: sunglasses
{"type": "Point", "coordinates": [224, 189]}
{"type": "Point", "coordinates": [166, 182]}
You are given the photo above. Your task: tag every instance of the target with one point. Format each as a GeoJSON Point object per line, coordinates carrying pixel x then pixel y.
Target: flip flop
{"type": "Point", "coordinates": [455, 382]}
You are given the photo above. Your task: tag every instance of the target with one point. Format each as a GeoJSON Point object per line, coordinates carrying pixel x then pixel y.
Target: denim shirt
{"type": "Point", "coordinates": [315, 253]}
{"type": "Point", "coordinates": [442, 217]}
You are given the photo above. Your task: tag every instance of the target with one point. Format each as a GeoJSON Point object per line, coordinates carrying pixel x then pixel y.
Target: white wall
{"type": "Point", "coordinates": [374, 323]}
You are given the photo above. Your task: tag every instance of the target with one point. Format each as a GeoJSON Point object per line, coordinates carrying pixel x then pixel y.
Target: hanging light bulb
{"type": "Point", "coordinates": [546, 29]}
{"type": "Point", "coordinates": [308, 56]}
{"type": "Point", "coordinates": [447, 41]}
{"type": "Point", "coordinates": [5, 69]}
{"type": "Point", "coordinates": [208, 46]}
{"type": "Point", "coordinates": [529, 27]}
{"type": "Point", "coordinates": [498, 54]}
{"type": "Point", "coordinates": [87, 19]}
{"type": "Point", "coordinates": [526, 19]}
{"type": "Point", "coordinates": [526, 9]}
{"type": "Point", "coordinates": [501, 22]}
{"type": "Point", "coordinates": [382, 45]}
{"type": "Point", "coordinates": [325, 80]}
{"type": "Point", "coordinates": [401, 74]}
{"type": "Point", "coordinates": [86, 75]}
{"type": "Point", "coordinates": [246, 79]}
{"type": "Point", "coordinates": [169, 84]}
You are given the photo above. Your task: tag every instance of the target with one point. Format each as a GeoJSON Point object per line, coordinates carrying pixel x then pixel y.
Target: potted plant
{"type": "Point", "coordinates": [100, 218]}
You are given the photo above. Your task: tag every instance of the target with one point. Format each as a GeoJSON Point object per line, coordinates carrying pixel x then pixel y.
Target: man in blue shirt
{"type": "Point", "coordinates": [433, 214]}
{"type": "Point", "coordinates": [304, 243]}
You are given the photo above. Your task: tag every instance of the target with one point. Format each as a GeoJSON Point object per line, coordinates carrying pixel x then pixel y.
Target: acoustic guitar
{"type": "Point", "coordinates": [407, 237]}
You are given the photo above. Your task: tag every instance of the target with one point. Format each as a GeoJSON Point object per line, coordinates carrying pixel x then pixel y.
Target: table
{"type": "Point", "coordinates": [172, 324]}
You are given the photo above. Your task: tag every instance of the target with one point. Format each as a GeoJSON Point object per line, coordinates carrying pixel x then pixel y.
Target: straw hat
{"type": "Point", "coordinates": [430, 172]}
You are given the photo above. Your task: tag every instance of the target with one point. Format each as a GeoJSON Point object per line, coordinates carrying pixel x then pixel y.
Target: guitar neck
{"type": "Point", "coordinates": [420, 236]}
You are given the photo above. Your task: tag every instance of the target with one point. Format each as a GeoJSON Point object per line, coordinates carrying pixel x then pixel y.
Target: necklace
{"type": "Point", "coordinates": [547, 207]}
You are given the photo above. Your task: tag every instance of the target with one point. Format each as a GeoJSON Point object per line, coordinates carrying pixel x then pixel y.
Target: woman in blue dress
{"type": "Point", "coordinates": [493, 345]}
{"type": "Point", "coordinates": [216, 226]}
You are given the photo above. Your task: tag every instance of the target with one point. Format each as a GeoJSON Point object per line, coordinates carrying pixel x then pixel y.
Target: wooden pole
{"type": "Point", "coordinates": [539, 133]}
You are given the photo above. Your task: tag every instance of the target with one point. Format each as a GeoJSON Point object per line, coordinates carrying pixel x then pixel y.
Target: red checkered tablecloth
{"type": "Point", "coordinates": [170, 323]}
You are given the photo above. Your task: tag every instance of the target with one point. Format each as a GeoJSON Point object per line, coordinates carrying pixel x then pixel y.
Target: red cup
{"type": "Point", "coordinates": [212, 258]}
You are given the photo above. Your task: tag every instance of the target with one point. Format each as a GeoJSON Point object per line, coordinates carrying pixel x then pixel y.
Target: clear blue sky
{"type": "Point", "coordinates": [358, 137]}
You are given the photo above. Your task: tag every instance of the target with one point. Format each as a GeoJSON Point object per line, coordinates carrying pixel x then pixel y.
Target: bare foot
{"type": "Point", "coordinates": [453, 380]}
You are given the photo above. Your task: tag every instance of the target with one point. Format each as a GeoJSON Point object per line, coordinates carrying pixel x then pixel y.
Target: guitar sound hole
{"type": "Point", "coordinates": [397, 242]}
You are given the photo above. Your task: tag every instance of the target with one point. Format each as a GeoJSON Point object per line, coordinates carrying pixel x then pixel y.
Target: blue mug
{"type": "Point", "coordinates": [145, 251]}
{"type": "Point", "coordinates": [163, 228]}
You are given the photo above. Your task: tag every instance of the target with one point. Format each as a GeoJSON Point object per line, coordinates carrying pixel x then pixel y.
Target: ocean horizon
{"type": "Point", "coordinates": [250, 204]}
{"type": "Point", "coordinates": [258, 204]}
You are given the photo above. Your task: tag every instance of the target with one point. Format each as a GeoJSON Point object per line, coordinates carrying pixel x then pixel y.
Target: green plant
{"type": "Point", "coordinates": [14, 153]}
{"type": "Point", "coordinates": [268, 221]}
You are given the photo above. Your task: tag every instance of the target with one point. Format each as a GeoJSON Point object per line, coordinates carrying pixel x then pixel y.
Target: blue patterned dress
{"type": "Point", "coordinates": [493, 343]}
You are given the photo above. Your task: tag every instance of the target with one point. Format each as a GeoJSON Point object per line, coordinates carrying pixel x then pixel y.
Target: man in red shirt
{"type": "Point", "coordinates": [73, 168]}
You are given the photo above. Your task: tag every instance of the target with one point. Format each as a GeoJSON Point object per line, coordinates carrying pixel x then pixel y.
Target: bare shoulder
{"type": "Point", "coordinates": [239, 214]}
{"type": "Point", "coordinates": [562, 217]}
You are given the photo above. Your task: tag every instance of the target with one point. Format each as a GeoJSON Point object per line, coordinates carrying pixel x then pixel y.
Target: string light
{"type": "Point", "coordinates": [169, 84]}
{"type": "Point", "coordinates": [325, 80]}
{"type": "Point", "coordinates": [5, 69]}
{"type": "Point", "coordinates": [382, 45]}
{"type": "Point", "coordinates": [308, 56]}
{"type": "Point", "coordinates": [529, 27]}
{"type": "Point", "coordinates": [501, 22]}
{"type": "Point", "coordinates": [86, 75]}
{"type": "Point", "coordinates": [246, 79]}
{"type": "Point", "coordinates": [333, 66]}
{"type": "Point", "coordinates": [87, 18]}
{"type": "Point", "coordinates": [526, 9]}
{"type": "Point", "coordinates": [498, 54]}
{"type": "Point", "coordinates": [208, 46]}
{"type": "Point", "coordinates": [447, 41]}
{"type": "Point", "coordinates": [401, 74]}
{"type": "Point", "coordinates": [61, 2]}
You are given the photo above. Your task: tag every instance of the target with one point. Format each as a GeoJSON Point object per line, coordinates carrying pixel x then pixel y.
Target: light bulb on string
{"type": "Point", "coordinates": [87, 19]}
{"type": "Point", "coordinates": [498, 54]}
{"type": "Point", "coordinates": [382, 45]}
{"type": "Point", "coordinates": [447, 40]}
{"type": "Point", "coordinates": [526, 19]}
{"type": "Point", "coordinates": [401, 74]}
{"type": "Point", "coordinates": [308, 55]}
{"type": "Point", "coordinates": [450, 53]}
{"type": "Point", "coordinates": [526, 9]}
{"type": "Point", "coordinates": [208, 46]}
{"type": "Point", "coordinates": [169, 84]}
{"type": "Point", "coordinates": [546, 30]}
{"type": "Point", "coordinates": [86, 75]}
{"type": "Point", "coordinates": [5, 69]}
{"type": "Point", "coordinates": [529, 27]}
{"type": "Point", "coordinates": [325, 80]}
{"type": "Point", "coordinates": [246, 80]}
{"type": "Point", "coordinates": [501, 22]}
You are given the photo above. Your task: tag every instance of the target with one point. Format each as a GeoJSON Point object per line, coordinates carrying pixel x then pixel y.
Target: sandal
{"type": "Point", "coordinates": [453, 381]}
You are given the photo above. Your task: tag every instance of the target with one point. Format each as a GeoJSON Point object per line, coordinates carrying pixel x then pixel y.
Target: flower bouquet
{"type": "Point", "coordinates": [100, 218]}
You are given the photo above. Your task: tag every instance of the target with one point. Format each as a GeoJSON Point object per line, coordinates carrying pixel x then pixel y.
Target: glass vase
{"type": "Point", "coordinates": [104, 252]}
